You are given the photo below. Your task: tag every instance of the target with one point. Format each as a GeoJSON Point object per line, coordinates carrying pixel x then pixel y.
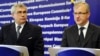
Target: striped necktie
{"type": "Point", "coordinates": [18, 31]}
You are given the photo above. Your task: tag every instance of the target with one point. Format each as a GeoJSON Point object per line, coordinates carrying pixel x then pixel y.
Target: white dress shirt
{"type": "Point", "coordinates": [22, 25]}
{"type": "Point", "coordinates": [85, 30]}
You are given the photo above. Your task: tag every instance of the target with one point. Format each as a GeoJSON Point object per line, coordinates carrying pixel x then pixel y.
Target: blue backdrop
{"type": "Point", "coordinates": [52, 15]}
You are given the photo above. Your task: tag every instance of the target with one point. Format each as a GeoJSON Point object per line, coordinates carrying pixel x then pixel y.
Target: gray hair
{"type": "Point", "coordinates": [76, 5]}
{"type": "Point", "coordinates": [13, 8]}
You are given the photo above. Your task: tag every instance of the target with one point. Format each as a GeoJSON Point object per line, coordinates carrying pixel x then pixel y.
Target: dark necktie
{"type": "Point", "coordinates": [18, 32]}
{"type": "Point", "coordinates": [81, 36]}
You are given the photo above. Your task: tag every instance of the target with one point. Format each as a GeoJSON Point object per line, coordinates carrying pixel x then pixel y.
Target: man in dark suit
{"type": "Point", "coordinates": [83, 33]}
{"type": "Point", "coordinates": [22, 33]}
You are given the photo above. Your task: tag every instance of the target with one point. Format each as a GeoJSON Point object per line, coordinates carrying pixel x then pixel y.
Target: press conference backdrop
{"type": "Point", "coordinates": [52, 15]}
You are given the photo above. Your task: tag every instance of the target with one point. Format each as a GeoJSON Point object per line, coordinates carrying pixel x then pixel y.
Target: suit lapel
{"type": "Point", "coordinates": [89, 33]}
{"type": "Point", "coordinates": [13, 33]}
{"type": "Point", "coordinates": [75, 34]}
{"type": "Point", "coordinates": [25, 31]}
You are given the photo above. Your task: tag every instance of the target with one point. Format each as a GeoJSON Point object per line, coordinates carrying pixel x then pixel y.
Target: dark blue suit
{"type": "Point", "coordinates": [31, 37]}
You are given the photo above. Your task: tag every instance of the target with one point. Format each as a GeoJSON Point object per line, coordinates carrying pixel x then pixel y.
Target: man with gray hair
{"type": "Point", "coordinates": [22, 33]}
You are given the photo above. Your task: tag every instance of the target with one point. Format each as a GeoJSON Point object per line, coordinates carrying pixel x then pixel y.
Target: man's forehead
{"type": "Point", "coordinates": [80, 8]}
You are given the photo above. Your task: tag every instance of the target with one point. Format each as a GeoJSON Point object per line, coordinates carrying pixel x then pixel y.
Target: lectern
{"type": "Point", "coordinates": [73, 51]}
{"type": "Point", "coordinates": [13, 50]}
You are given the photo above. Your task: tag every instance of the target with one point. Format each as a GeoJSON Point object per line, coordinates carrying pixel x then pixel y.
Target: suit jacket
{"type": "Point", "coordinates": [71, 37]}
{"type": "Point", "coordinates": [31, 37]}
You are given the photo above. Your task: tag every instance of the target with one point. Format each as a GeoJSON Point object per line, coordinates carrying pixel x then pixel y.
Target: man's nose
{"type": "Point", "coordinates": [22, 14]}
{"type": "Point", "coordinates": [77, 16]}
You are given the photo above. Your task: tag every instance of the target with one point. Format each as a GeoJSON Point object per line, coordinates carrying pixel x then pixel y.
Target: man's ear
{"type": "Point", "coordinates": [12, 15]}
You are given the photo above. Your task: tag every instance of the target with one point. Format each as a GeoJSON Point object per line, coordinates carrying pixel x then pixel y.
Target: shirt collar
{"type": "Point", "coordinates": [22, 25]}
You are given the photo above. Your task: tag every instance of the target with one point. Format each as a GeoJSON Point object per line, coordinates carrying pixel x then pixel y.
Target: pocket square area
{"type": "Point", "coordinates": [30, 38]}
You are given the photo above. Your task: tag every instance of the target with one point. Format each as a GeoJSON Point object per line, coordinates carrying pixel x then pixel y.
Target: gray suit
{"type": "Point", "coordinates": [71, 37]}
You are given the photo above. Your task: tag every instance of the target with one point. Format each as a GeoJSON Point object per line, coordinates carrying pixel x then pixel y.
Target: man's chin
{"type": "Point", "coordinates": [79, 23]}
{"type": "Point", "coordinates": [22, 22]}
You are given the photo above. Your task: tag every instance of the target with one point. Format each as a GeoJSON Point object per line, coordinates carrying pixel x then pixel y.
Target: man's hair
{"type": "Point", "coordinates": [20, 5]}
{"type": "Point", "coordinates": [78, 4]}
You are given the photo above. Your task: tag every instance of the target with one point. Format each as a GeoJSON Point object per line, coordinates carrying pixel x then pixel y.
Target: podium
{"type": "Point", "coordinates": [13, 50]}
{"type": "Point", "coordinates": [73, 51]}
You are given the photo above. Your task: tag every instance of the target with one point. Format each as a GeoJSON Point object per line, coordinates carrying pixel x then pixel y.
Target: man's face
{"type": "Point", "coordinates": [81, 15]}
{"type": "Point", "coordinates": [20, 15]}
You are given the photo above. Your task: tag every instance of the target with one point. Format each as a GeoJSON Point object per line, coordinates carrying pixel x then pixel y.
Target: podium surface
{"type": "Point", "coordinates": [54, 51]}
{"type": "Point", "coordinates": [18, 50]}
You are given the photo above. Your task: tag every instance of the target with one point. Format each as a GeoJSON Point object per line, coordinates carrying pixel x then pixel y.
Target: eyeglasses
{"type": "Point", "coordinates": [80, 13]}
